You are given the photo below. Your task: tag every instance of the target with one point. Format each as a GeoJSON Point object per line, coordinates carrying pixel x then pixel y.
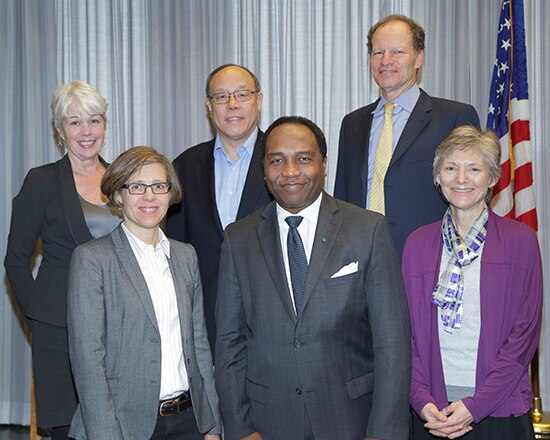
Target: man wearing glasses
{"type": "Point", "coordinates": [222, 179]}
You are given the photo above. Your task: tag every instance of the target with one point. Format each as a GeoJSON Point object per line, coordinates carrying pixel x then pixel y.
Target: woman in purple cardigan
{"type": "Point", "coordinates": [474, 285]}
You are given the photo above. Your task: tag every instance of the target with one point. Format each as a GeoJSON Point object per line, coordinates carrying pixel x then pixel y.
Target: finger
{"type": "Point", "coordinates": [460, 433]}
{"type": "Point", "coordinates": [446, 428]}
{"type": "Point", "coordinates": [439, 416]}
{"type": "Point", "coordinates": [445, 425]}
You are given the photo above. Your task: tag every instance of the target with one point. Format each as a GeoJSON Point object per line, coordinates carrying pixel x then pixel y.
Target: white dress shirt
{"type": "Point", "coordinates": [153, 262]}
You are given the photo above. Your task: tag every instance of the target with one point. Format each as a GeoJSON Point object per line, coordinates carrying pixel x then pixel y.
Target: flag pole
{"type": "Point", "coordinates": [541, 421]}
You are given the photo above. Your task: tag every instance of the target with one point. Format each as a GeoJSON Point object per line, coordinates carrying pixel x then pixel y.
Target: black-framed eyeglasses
{"type": "Point", "coordinates": [138, 189]}
{"type": "Point", "coordinates": [239, 95]}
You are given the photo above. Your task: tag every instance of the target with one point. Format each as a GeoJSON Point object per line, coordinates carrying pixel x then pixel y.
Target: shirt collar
{"type": "Point", "coordinates": [311, 213]}
{"type": "Point", "coordinates": [405, 101]}
{"type": "Point", "coordinates": [248, 145]}
{"type": "Point", "coordinates": [139, 245]}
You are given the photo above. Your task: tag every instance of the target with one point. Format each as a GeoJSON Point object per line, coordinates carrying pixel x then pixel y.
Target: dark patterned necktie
{"type": "Point", "coordinates": [296, 259]}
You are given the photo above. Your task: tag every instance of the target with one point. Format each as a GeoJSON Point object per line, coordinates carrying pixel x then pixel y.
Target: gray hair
{"type": "Point", "coordinates": [468, 137]}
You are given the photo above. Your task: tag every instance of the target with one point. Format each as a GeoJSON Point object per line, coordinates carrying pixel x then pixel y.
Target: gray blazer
{"type": "Point", "coordinates": [345, 358]}
{"type": "Point", "coordinates": [114, 341]}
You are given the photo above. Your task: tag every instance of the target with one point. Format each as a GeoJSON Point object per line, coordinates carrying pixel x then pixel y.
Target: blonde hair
{"type": "Point", "coordinates": [81, 94]}
{"type": "Point", "coordinates": [468, 137]}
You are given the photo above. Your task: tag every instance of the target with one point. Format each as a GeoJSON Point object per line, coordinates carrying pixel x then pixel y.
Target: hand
{"type": "Point", "coordinates": [430, 413]}
{"type": "Point", "coordinates": [253, 436]}
{"type": "Point", "coordinates": [457, 421]}
{"type": "Point", "coordinates": [212, 437]}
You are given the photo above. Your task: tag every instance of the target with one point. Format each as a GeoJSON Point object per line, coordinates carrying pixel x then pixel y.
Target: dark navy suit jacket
{"type": "Point", "coordinates": [196, 221]}
{"type": "Point", "coordinates": [411, 198]}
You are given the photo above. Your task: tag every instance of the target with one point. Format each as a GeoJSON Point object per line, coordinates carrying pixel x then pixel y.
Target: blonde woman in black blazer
{"type": "Point", "coordinates": [60, 204]}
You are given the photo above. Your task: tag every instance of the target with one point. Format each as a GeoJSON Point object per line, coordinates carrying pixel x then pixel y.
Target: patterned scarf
{"type": "Point", "coordinates": [449, 291]}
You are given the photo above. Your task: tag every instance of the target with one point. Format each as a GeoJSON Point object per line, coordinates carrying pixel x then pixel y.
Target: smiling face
{"type": "Point", "coordinates": [234, 121]}
{"type": "Point", "coordinates": [83, 134]}
{"type": "Point", "coordinates": [393, 59]}
{"type": "Point", "coordinates": [464, 178]}
{"type": "Point", "coordinates": [143, 213]}
{"type": "Point", "coordinates": [294, 167]}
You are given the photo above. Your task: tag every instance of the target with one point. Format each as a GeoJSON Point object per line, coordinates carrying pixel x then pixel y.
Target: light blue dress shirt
{"type": "Point", "coordinates": [404, 106]}
{"type": "Point", "coordinates": [230, 177]}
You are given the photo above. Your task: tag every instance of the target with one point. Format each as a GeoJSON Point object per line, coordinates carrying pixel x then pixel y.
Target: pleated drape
{"type": "Point", "coordinates": [150, 59]}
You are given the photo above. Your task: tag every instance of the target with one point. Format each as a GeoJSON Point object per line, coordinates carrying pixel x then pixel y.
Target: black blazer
{"type": "Point", "coordinates": [411, 197]}
{"type": "Point", "coordinates": [47, 208]}
{"type": "Point", "coordinates": [196, 221]}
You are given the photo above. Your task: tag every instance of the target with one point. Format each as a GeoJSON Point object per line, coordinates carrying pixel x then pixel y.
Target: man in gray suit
{"type": "Point", "coordinates": [312, 321]}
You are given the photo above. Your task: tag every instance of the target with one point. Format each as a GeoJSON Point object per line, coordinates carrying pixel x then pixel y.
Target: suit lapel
{"type": "Point", "coordinates": [206, 187]}
{"type": "Point", "coordinates": [178, 271]}
{"type": "Point", "coordinates": [328, 225]}
{"type": "Point", "coordinates": [254, 184]}
{"type": "Point", "coordinates": [419, 118]}
{"type": "Point", "coordinates": [71, 202]}
{"type": "Point", "coordinates": [364, 136]}
{"type": "Point", "coordinates": [129, 263]}
{"type": "Point", "coordinates": [268, 237]}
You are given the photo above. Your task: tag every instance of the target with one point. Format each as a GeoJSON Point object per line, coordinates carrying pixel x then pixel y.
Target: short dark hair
{"type": "Point", "coordinates": [131, 161]}
{"type": "Point", "coordinates": [319, 136]}
{"type": "Point", "coordinates": [224, 66]}
{"type": "Point", "coordinates": [417, 31]}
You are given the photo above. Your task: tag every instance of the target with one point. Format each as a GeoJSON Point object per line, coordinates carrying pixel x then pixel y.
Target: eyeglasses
{"type": "Point", "coordinates": [239, 95]}
{"type": "Point", "coordinates": [138, 189]}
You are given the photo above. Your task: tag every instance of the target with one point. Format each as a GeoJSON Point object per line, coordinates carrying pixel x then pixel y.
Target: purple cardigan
{"type": "Point", "coordinates": [511, 308]}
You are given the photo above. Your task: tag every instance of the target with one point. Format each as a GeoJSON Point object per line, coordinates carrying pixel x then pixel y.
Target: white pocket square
{"type": "Point", "coordinates": [347, 269]}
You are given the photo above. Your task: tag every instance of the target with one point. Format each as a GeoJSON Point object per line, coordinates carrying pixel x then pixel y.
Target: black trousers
{"type": "Point", "coordinates": [54, 389]}
{"type": "Point", "coordinates": [182, 426]}
{"type": "Point", "coordinates": [491, 428]}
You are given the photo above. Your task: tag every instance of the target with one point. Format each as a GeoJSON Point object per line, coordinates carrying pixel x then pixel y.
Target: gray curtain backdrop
{"type": "Point", "coordinates": [150, 58]}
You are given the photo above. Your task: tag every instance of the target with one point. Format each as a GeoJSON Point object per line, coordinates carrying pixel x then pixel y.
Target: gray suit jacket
{"type": "Point", "coordinates": [345, 358]}
{"type": "Point", "coordinates": [114, 341]}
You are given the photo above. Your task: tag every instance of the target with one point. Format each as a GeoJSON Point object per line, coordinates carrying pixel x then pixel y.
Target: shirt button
{"type": "Point", "coordinates": [297, 343]}
{"type": "Point", "coordinates": [298, 391]}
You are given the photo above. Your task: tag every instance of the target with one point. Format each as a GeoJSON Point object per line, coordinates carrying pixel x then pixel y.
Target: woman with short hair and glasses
{"type": "Point", "coordinates": [474, 285]}
{"type": "Point", "coordinates": [137, 336]}
{"type": "Point", "coordinates": [62, 205]}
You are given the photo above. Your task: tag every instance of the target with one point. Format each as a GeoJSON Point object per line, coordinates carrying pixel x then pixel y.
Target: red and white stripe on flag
{"type": "Point", "coordinates": [508, 116]}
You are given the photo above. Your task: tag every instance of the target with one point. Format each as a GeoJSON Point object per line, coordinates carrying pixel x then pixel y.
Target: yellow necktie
{"type": "Point", "coordinates": [382, 158]}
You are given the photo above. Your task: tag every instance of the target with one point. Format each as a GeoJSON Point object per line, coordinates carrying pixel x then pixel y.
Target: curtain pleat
{"type": "Point", "coordinates": [150, 60]}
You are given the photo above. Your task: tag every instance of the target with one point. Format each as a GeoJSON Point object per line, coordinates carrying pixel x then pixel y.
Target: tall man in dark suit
{"type": "Point", "coordinates": [222, 179]}
{"type": "Point", "coordinates": [312, 322]}
{"type": "Point", "coordinates": [419, 123]}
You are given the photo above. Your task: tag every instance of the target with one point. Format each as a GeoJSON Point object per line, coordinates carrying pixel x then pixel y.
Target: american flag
{"type": "Point", "coordinates": [508, 116]}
